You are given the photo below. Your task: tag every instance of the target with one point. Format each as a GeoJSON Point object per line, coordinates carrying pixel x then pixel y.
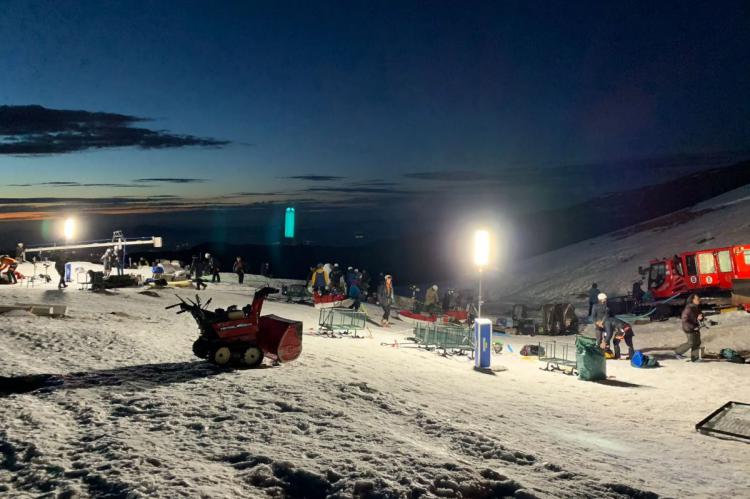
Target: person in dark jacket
{"type": "Point", "coordinates": [239, 269]}
{"type": "Point", "coordinates": [214, 267]}
{"type": "Point", "coordinates": [387, 298]}
{"type": "Point", "coordinates": [356, 295]}
{"type": "Point", "coordinates": [691, 324]}
{"type": "Point", "coordinates": [599, 315]}
{"type": "Point", "coordinates": [364, 284]}
{"type": "Point", "coordinates": [617, 331]}
{"type": "Point", "coordinates": [335, 278]}
{"type": "Point", "coordinates": [60, 268]}
{"type": "Point", "coordinates": [637, 292]}
{"type": "Point", "coordinates": [593, 293]}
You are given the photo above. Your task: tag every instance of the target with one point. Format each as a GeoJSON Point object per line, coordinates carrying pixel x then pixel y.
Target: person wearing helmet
{"type": "Point", "coordinates": [599, 316]}
{"type": "Point", "coordinates": [431, 300]}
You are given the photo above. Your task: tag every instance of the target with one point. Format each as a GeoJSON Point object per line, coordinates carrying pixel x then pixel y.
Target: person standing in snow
{"type": "Point", "coordinates": [214, 267]}
{"type": "Point", "coordinates": [107, 262]}
{"type": "Point", "coordinates": [356, 295]}
{"type": "Point", "coordinates": [593, 293]}
{"type": "Point", "coordinates": [599, 315]}
{"type": "Point", "coordinates": [120, 260]}
{"type": "Point", "coordinates": [432, 300]}
{"type": "Point", "coordinates": [349, 277]}
{"type": "Point", "coordinates": [364, 284]}
{"type": "Point", "coordinates": [637, 292]}
{"type": "Point", "coordinates": [319, 280]}
{"type": "Point", "coordinates": [239, 269]}
{"type": "Point", "coordinates": [60, 268]}
{"type": "Point", "coordinates": [20, 253]}
{"type": "Point", "coordinates": [691, 326]}
{"type": "Point", "coordinates": [335, 278]}
{"type": "Point", "coordinates": [386, 298]}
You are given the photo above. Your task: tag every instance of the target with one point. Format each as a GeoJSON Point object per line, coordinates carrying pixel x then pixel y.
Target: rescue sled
{"type": "Point", "coordinates": [456, 316]}
{"type": "Point", "coordinates": [242, 336]}
{"type": "Point", "coordinates": [331, 300]}
{"type": "Point", "coordinates": [446, 317]}
{"type": "Point", "coordinates": [415, 318]}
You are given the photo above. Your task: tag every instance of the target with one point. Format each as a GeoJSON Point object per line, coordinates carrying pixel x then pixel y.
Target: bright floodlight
{"type": "Point", "coordinates": [69, 228]}
{"type": "Point", "coordinates": [481, 248]}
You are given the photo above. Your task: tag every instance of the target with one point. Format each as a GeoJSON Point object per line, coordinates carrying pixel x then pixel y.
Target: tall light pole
{"type": "Point", "coordinates": [481, 259]}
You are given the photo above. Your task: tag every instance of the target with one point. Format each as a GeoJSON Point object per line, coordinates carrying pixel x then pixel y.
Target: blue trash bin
{"type": "Point", "coordinates": [68, 272]}
{"type": "Point", "coordinates": [482, 343]}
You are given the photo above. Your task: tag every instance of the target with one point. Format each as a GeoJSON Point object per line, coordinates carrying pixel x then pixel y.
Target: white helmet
{"type": "Point", "coordinates": [601, 297]}
{"type": "Point", "coordinates": [208, 255]}
{"type": "Point", "coordinates": [434, 286]}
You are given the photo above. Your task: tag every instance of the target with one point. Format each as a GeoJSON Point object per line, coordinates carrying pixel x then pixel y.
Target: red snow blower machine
{"type": "Point", "coordinates": [242, 336]}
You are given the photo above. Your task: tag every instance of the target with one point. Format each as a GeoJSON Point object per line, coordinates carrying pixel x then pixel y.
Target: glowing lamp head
{"type": "Point", "coordinates": [69, 228]}
{"type": "Point", "coordinates": [481, 248]}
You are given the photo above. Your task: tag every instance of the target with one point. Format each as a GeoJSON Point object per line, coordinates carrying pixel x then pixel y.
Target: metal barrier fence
{"type": "Point", "coordinates": [559, 357]}
{"type": "Point", "coordinates": [341, 320]}
{"type": "Point", "coordinates": [449, 338]}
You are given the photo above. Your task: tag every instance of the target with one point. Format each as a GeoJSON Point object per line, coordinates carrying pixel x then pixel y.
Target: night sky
{"type": "Point", "coordinates": [373, 117]}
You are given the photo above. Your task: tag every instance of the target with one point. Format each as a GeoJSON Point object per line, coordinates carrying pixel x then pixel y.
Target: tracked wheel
{"type": "Point", "coordinates": [252, 356]}
{"type": "Point", "coordinates": [221, 356]}
{"type": "Point", "coordinates": [200, 349]}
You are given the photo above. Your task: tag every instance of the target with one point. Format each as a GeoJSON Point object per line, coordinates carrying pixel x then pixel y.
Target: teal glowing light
{"type": "Point", "coordinates": [289, 224]}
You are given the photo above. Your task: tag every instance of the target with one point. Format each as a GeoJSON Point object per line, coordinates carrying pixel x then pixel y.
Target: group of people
{"type": "Point", "coordinates": [113, 257]}
{"type": "Point", "coordinates": [611, 330]}
{"type": "Point", "coordinates": [200, 266]}
{"type": "Point", "coordinates": [327, 278]}
{"type": "Point", "coordinates": [354, 284]}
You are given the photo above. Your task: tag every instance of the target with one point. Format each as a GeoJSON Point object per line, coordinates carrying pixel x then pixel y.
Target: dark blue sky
{"type": "Point", "coordinates": [407, 102]}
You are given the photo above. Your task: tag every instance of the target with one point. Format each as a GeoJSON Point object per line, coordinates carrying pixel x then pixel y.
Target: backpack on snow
{"type": "Point", "coordinates": [732, 356]}
{"type": "Point", "coordinates": [643, 361]}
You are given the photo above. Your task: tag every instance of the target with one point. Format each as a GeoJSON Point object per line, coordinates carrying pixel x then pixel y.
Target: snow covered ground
{"type": "Point", "coordinates": [129, 412]}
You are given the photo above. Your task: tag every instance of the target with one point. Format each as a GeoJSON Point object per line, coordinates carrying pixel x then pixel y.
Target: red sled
{"type": "Point", "coordinates": [331, 300]}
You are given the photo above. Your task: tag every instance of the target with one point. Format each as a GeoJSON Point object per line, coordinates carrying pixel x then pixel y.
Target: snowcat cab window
{"type": "Point", "coordinates": [725, 261]}
{"type": "Point", "coordinates": [706, 263]}
{"type": "Point", "coordinates": [691, 268]}
{"type": "Point", "coordinates": [657, 274]}
{"type": "Point", "coordinates": [678, 268]}
{"type": "Point", "coordinates": [747, 257]}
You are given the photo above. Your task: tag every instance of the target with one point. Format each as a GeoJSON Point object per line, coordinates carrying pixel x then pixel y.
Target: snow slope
{"type": "Point", "coordinates": [612, 260]}
{"type": "Point", "coordinates": [129, 412]}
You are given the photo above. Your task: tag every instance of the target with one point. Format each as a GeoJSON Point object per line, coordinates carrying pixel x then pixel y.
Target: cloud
{"type": "Point", "coordinates": [450, 176]}
{"type": "Point", "coordinates": [316, 178]}
{"type": "Point", "coordinates": [241, 194]}
{"type": "Point", "coordinates": [374, 183]}
{"type": "Point", "coordinates": [80, 184]}
{"type": "Point", "coordinates": [359, 190]}
{"type": "Point", "coordinates": [36, 130]}
{"type": "Point", "coordinates": [171, 180]}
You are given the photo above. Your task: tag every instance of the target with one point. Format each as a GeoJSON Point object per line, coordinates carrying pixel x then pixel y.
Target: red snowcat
{"type": "Point", "coordinates": [708, 272]}
{"type": "Point", "coordinates": [242, 336]}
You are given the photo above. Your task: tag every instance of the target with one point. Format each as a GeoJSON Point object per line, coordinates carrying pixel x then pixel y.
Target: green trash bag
{"type": "Point", "coordinates": [590, 361]}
